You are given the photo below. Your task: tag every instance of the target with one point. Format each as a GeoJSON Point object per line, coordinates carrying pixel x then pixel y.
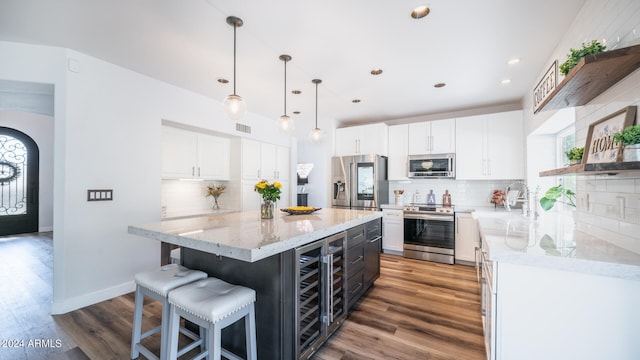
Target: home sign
{"type": "Point", "coordinates": [600, 147]}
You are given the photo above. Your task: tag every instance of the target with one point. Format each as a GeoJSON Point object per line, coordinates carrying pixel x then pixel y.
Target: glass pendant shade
{"type": "Point", "coordinates": [285, 124]}
{"type": "Point", "coordinates": [235, 106]}
{"type": "Point", "coordinates": [316, 135]}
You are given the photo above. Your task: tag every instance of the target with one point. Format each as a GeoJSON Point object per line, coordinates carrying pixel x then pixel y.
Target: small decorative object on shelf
{"type": "Point", "coordinates": [554, 194]}
{"type": "Point", "coordinates": [630, 139]}
{"type": "Point", "coordinates": [574, 155]}
{"type": "Point", "coordinates": [601, 146]}
{"type": "Point", "coordinates": [574, 55]}
{"type": "Point", "coordinates": [498, 197]}
{"type": "Point", "coordinates": [215, 190]}
{"type": "Point", "coordinates": [270, 193]}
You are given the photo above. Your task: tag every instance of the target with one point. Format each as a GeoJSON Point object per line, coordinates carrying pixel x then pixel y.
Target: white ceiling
{"type": "Point", "coordinates": [464, 43]}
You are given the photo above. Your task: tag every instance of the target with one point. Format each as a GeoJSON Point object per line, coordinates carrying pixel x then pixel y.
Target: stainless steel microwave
{"type": "Point", "coordinates": [432, 166]}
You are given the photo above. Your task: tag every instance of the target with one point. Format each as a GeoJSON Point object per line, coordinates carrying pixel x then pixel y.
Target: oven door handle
{"type": "Point", "coordinates": [428, 217]}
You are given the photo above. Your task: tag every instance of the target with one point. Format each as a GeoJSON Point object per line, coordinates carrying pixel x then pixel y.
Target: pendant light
{"type": "Point", "coordinates": [316, 133]}
{"type": "Point", "coordinates": [234, 104]}
{"type": "Point", "coordinates": [285, 122]}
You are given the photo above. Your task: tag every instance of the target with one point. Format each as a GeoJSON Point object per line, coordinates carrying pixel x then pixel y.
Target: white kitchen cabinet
{"type": "Point", "coordinates": [392, 231]}
{"type": "Point", "coordinates": [264, 161]}
{"type": "Point", "coordinates": [432, 137]}
{"type": "Point", "coordinates": [490, 147]}
{"type": "Point", "coordinates": [282, 163]}
{"type": "Point", "coordinates": [466, 239]}
{"type": "Point", "coordinates": [365, 139]}
{"type": "Point", "coordinates": [213, 157]}
{"type": "Point", "coordinates": [570, 315]}
{"type": "Point", "coordinates": [398, 152]}
{"type": "Point", "coordinates": [191, 155]}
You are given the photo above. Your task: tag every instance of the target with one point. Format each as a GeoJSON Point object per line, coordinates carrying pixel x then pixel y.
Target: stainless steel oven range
{"type": "Point", "coordinates": [429, 233]}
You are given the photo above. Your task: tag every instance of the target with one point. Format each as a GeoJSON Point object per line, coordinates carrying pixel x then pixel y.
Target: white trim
{"type": "Point", "coordinates": [81, 301]}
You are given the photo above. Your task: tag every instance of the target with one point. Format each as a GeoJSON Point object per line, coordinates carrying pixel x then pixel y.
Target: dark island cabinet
{"type": "Point", "coordinates": [363, 258]}
{"type": "Point", "coordinates": [300, 293]}
{"type": "Point", "coordinates": [372, 248]}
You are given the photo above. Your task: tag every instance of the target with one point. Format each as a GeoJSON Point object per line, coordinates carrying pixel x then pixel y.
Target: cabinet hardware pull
{"type": "Point", "coordinates": [198, 171]}
{"type": "Point", "coordinates": [357, 288]}
{"type": "Point", "coordinates": [357, 260]}
{"type": "Point", "coordinates": [193, 171]}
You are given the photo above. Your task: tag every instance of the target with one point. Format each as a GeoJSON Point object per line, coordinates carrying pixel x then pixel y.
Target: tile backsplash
{"type": "Point", "coordinates": [609, 208]}
{"type": "Point", "coordinates": [464, 193]}
{"type": "Point", "coordinates": [179, 196]}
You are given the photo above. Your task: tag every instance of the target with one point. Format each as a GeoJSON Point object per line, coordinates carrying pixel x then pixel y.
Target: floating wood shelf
{"type": "Point", "coordinates": [592, 76]}
{"type": "Point", "coordinates": [594, 169]}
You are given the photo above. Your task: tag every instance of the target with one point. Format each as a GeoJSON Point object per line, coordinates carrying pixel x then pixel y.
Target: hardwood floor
{"type": "Point", "coordinates": [415, 310]}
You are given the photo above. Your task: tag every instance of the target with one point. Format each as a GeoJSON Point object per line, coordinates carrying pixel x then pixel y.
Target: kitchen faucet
{"type": "Point", "coordinates": [522, 196]}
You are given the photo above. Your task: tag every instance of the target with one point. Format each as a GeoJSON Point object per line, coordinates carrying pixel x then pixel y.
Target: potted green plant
{"type": "Point", "coordinates": [630, 139]}
{"type": "Point", "coordinates": [554, 194]}
{"type": "Point", "coordinates": [574, 56]}
{"type": "Point", "coordinates": [575, 155]}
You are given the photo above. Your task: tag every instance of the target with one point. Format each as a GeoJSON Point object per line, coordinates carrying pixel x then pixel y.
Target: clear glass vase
{"type": "Point", "coordinates": [266, 210]}
{"type": "Point", "coordinates": [215, 203]}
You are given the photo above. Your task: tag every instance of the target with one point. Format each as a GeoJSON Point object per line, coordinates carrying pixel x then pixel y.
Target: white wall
{"type": "Point", "coordinates": [40, 129]}
{"type": "Point", "coordinates": [608, 206]}
{"type": "Point", "coordinates": [107, 135]}
{"type": "Point", "coordinates": [319, 155]}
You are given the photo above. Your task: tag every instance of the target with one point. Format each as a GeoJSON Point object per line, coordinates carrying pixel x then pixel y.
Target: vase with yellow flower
{"type": "Point", "coordinates": [215, 190]}
{"type": "Point", "coordinates": [270, 193]}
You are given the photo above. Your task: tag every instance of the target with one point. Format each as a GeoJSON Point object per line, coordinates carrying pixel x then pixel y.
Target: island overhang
{"type": "Point", "coordinates": [244, 236]}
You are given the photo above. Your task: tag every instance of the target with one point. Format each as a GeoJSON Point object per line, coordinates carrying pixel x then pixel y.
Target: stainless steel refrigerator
{"type": "Point", "coordinates": [359, 182]}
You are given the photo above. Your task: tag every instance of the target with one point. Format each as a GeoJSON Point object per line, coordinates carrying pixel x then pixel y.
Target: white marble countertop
{"type": "Point", "coordinates": [391, 206]}
{"type": "Point", "coordinates": [243, 236]}
{"type": "Point", "coordinates": [196, 213]}
{"type": "Point", "coordinates": [552, 241]}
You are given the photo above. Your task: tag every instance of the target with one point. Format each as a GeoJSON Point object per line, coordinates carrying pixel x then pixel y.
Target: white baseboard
{"type": "Point", "coordinates": [67, 305]}
{"type": "Point", "coordinates": [392, 252]}
{"type": "Point", "coordinates": [45, 228]}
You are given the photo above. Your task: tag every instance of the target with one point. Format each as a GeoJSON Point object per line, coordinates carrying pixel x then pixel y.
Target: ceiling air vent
{"type": "Point", "coordinates": [244, 128]}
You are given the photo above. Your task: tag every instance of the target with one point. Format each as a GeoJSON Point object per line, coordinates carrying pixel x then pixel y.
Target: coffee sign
{"type": "Point", "coordinates": [545, 87]}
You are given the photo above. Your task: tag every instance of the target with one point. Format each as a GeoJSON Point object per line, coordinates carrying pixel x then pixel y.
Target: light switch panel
{"type": "Point", "coordinates": [100, 195]}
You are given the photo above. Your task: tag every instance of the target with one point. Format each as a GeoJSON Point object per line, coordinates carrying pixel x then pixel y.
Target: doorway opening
{"type": "Point", "coordinates": [19, 182]}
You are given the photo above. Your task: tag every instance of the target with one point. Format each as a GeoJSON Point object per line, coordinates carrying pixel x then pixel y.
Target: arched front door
{"type": "Point", "coordinates": [19, 164]}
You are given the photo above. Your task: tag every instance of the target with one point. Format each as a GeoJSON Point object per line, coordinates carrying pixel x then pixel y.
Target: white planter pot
{"type": "Point", "coordinates": [631, 153]}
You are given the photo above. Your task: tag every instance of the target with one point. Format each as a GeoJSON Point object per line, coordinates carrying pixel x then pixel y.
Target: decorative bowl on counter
{"type": "Point", "coordinates": [300, 210]}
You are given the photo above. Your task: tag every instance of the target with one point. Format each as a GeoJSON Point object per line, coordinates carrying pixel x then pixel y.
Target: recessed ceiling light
{"type": "Point", "coordinates": [439, 85]}
{"type": "Point", "coordinates": [513, 61]}
{"type": "Point", "coordinates": [376, 71]}
{"type": "Point", "coordinates": [297, 92]}
{"type": "Point", "coordinates": [223, 81]}
{"type": "Point", "coordinates": [420, 11]}
{"type": "Point", "coordinates": [355, 101]}
{"type": "Point", "coordinates": [505, 81]}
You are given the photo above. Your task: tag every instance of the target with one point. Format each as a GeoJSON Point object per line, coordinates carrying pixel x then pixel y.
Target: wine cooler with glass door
{"type": "Point", "coordinates": [321, 297]}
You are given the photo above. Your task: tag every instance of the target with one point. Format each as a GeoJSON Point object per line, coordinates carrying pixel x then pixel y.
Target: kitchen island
{"type": "Point", "coordinates": [554, 291]}
{"type": "Point", "coordinates": [295, 264]}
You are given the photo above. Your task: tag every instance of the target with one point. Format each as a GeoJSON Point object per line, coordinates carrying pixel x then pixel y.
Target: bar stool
{"type": "Point", "coordinates": [157, 284]}
{"type": "Point", "coordinates": [213, 305]}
